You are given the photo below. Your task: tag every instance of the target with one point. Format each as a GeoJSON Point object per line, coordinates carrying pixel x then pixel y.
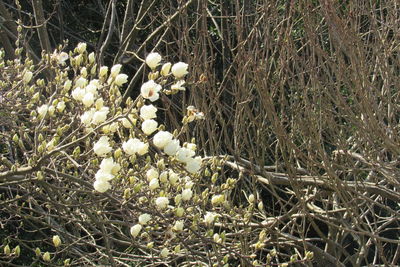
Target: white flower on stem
{"type": "Point", "coordinates": [179, 70]}
{"type": "Point", "coordinates": [173, 177]}
{"type": "Point", "coordinates": [121, 79]}
{"type": "Point", "coordinates": [101, 186]}
{"type": "Point", "coordinates": [84, 72]}
{"type": "Point", "coordinates": [209, 218]}
{"type": "Point", "coordinates": [103, 176]}
{"type": "Point", "coordinates": [191, 146]}
{"type": "Point", "coordinates": [81, 82]}
{"type": "Point", "coordinates": [102, 147]}
{"type": "Point", "coordinates": [42, 110]}
{"type": "Point", "coordinates": [217, 199]}
{"type": "Point", "coordinates": [142, 148]}
{"type": "Point", "coordinates": [108, 165]}
{"type": "Point", "coordinates": [56, 240]}
{"type": "Point", "coordinates": [162, 138]}
{"type": "Point", "coordinates": [154, 184]}
{"type": "Point", "coordinates": [115, 70]}
{"type": "Point", "coordinates": [91, 88]}
{"type": "Point", "coordinates": [62, 57]}
{"type": "Point", "coordinates": [91, 57]}
{"type": "Point", "coordinates": [78, 93]}
{"type": "Point", "coordinates": [99, 103]}
{"type": "Point", "coordinates": [148, 112]}
{"type": "Point", "coordinates": [187, 194]}
{"type": "Point", "coordinates": [184, 154]}
{"type": "Point", "coordinates": [81, 48]}
{"type": "Point", "coordinates": [164, 253]}
{"type": "Point", "coordinates": [60, 106]}
{"type": "Point", "coordinates": [165, 69]}
{"type": "Point", "coordinates": [135, 230]}
{"type": "Point", "coordinates": [153, 60]}
{"type": "Point", "coordinates": [86, 118]}
{"type": "Point", "coordinates": [100, 116]}
{"type": "Point", "coordinates": [162, 202]}
{"type": "Point", "coordinates": [149, 126]}
{"type": "Point", "coordinates": [150, 89]}
{"type": "Point", "coordinates": [27, 77]}
{"type": "Point", "coordinates": [172, 147]}
{"type": "Point", "coordinates": [88, 99]}
{"type": "Point", "coordinates": [164, 177]}
{"type": "Point", "coordinates": [103, 71]}
{"type": "Point", "coordinates": [193, 165]}
{"type": "Point", "coordinates": [151, 174]}
{"type": "Point", "coordinates": [144, 218]}
{"type": "Point", "coordinates": [178, 226]}
{"type": "Point", "coordinates": [178, 86]}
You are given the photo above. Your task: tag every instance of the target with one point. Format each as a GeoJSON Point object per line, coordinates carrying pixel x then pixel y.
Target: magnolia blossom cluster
{"type": "Point", "coordinates": [108, 170]}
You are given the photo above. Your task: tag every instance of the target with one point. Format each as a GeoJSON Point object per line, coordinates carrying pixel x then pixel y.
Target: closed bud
{"type": "Point", "coordinates": [38, 252]}
{"type": "Point", "coordinates": [15, 138]}
{"type": "Point", "coordinates": [7, 250]}
{"type": "Point", "coordinates": [46, 256]}
{"type": "Point", "coordinates": [67, 262]}
{"type": "Point", "coordinates": [56, 241]}
{"type": "Point", "coordinates": [17, 251]}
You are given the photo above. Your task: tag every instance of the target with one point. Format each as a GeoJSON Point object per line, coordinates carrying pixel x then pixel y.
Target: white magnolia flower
{"type": "Point", "coordinates": [42, 110]}
{"type": "Point", "coordinates": [209, 218]}
{"type": "Point", "coordinates": [56, 240]}
{"type": "Point", "coordinates": [27, 77]}
{"type": "Point", "coordinates": [162, 138]}
{"type": "Point", "coordinates": [103, 176]}
{"type": "Point", "coordinates": [178, 226]}
{"type": "Point", "coordinates": [91, 57]}
{"type": "Point", "coordinates": [91, 88]}
{"type": "Point", "coordinates": [179, 70]}
{"type": "Point", "coordinates": [191, 146]}
{"type": "Point", "coordinates": [187, 194]}
{"type": "Point", "coordinates": [121, 79]}
{"type": "Point", "coordinates": [78, 93]}
{"type": "Point", "coordinates": [151, 174]}
{"type": "Point", "coordinates": [142, 148]}
{"type": "Point", "coordinates": [108, 165]}
{"type": "Point", "coordinates": [178, 86]}
{"type": "Point", "coordinates": [88, 99]}
{"type": "Point", "coordinates": [162, 202]}
{"type": "Point", "coordinates": [60, 106]}
{"type": "Point", "coordinates": [62, 57]}
{"type": "Point", "coordinates": [84, 72]}
{"type": "Point", "coordinates": [164, 177]}
{"type": "Point", "coordinates": [165, 69]}
{"type": "Point", "coordinates": [172, 147]}
{"type": "Point", "coordinates": [148, 112]}
{"type": "Point", "coordinates": [149, 126]}
{"type": "Point", "coordinates": [173, 177]}
{"type": "Point", "coordinates": [184, 154]}
{"type": "Point", "coordinates": [81, 48]}
{"type": "Point", "coordinates": [101, 186]}
{"type": "Point", "coordinates": [144, 218]}
{"type": "Point", "coordinates": [129, 147]}
{"type": "Point", "coordinates": [102, 147]}
{"type": "Point", "coordinates": [81, 82]}
{"type": "Point", "coordinates": [100, 116]}
{"type": "Point", "coordinates": [86, 118]}
{"type": "Point", "coordinates": [99, 103]}
{"type": "Point", "coordinates": [115, 70]}
{"type": "Point", "coordinates": [153, 59]}
{"type": "Point", "coordinates": [217, 199]}
{"type": "Point", "coordinates": [103, 71]}
{"type": "Point", "coordinates": [150, 89]}
{"type": "Point", "coordinates": [135, 230]}
{"type": "Point", "coordinates": [193, 165]}
{"type": "Point", "coordinates": [154, 184]}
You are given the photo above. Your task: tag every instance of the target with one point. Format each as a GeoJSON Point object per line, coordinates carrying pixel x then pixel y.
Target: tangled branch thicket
{"type": "Point", "coordinates": [300, 138]}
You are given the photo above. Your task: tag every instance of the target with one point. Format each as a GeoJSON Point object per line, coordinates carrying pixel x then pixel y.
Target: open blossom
{"type": "Point", "coordinates": [108, 165]}
{"type": "Point", "coordinates": [148, 112]}
{"type": "Point", "coordinates": [100, 116]}
{"type": "Point", "coordinates": [144, 218]}
{"type": "Point", "coordinates": [62, 57]}
{"type": "Point", "coordinates": [178, 86]}
{"type": "Point", "coordinates": [81, 82]}
{"type": "Point", "coordinates": [193, 165]}
{"type": "Point", "coordinates": [91, 88]}
{"type": "Point", "coordinates": [173, 177]}
{"type": "Point", "coordinates": [103, 176]}
{"type": "Point", "coordinates": [153, 59]}
{"type": "Point", "coordinates": [149, 126]}
{"type": "Point", "coordinates": [102, 147]}
{"type": "Point", "coordinates": [135, 230]}
{"type": "Point", "coordinates": [101, 186]}
{"type": "Point", "coordinates": [150, 89]}
{"type": "Point", "coordinates": [78, 93]}
{"type": "Point", "coordinates": [179, 70]}
{"type": "Point", "coordinates": [154, 184]}
{"type": "Point", "coordinates": [81, 47]}
{"type": "Point", "coordinates": [184, 154]}
{"type": "Point", "coordinates": [162, 202]}
{"type": "Point", "coordinates": [134, 145]}
{"type": "Point", "coordinates": [209, 217]}
{"type": "Point", "coordinates": [121, 79]}
{"type": "Point", "coordinates": [172, 147]}
{"type": "Point", "coordinates": [88, 99]}
{"type": "Point", "coordinates": [178, 226]}
{"type": "Point", "coordinates": [187, 194]}
{"type": "Point", "coordinates": [151, 174]}
{"type": "Point", "coordinates": [162, 138]}
{"type": "Point", "coordinates": [87, 116]}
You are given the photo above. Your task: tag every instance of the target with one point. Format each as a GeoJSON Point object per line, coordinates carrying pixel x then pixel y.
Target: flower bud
{"type": "Point", "coordinates": [7, 250]}
{"type": "Point", "coordinates": [56, 241]}
{"type": "Point", "coordinates": [91, 58]}
{"type": "Point", "coordinates": [46, 256]}
{"type": "Point", "coordinates": [81, 48]}
{"type": "Point", "coordinates": [165, 69]}
{"type": "Point", "coordinates": [135, 230]}
{"type": "Point", "coordinates": [179, 70]}
{"type": "Point", "coordinates": [153, 59]}
{"type": "Point", "coordinates": [27, 77]}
